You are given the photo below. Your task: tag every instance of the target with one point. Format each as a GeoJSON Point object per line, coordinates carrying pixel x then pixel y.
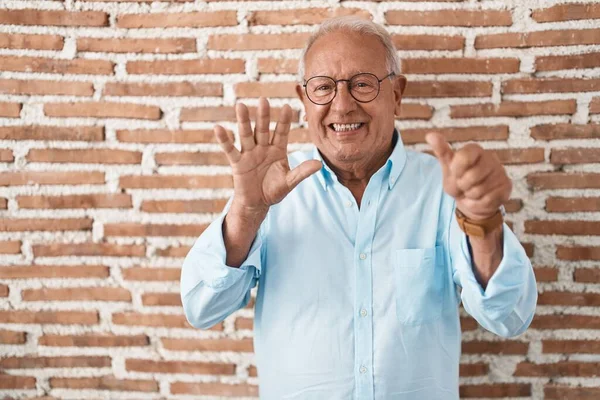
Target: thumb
{"type": "Point", "coordinates": [441, 148]}
{"type": "Point", "coordinates": [444, 154]}
{"type": "Point", "coordinates": [301, 172]}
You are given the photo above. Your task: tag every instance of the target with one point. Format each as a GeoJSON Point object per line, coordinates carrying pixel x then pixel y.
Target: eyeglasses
{"type": "Point", "coordinates": [363, 88]}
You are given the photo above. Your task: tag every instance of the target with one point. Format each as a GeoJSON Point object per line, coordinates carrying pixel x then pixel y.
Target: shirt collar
{"type": "Point", "coordinates": [395, 164]}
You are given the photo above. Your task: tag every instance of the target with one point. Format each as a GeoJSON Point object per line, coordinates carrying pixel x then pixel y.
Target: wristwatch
{"type": "Point", "coordinates": [482, 227]}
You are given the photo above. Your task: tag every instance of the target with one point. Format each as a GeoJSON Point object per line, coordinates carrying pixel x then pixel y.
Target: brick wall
{"type": "Point", "coordinates": [108, 172]}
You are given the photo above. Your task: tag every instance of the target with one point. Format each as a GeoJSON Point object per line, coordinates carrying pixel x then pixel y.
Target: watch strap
{"type": "Point", "coordinates": [478, 228]}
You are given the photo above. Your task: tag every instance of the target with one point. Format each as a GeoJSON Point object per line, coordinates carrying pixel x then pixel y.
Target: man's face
{"type": "Point", "coordinates": [341, 55]}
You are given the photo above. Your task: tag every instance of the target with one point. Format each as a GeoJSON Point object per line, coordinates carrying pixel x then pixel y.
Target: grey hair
{"type": "Point", "coordinates": [358, 25]}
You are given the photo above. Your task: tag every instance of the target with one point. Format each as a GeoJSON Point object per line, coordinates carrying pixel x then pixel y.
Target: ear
{"type": "Point", "coordinates": [300, 92]}
{"type": "Point", "coordinates": [399, 86]}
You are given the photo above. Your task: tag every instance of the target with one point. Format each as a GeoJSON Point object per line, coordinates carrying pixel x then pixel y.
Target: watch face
{"type": "Point", "coordinates": [502, 210]}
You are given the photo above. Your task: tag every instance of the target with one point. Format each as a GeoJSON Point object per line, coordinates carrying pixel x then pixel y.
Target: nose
{"type": "Point", "coordinates": [343, 102]}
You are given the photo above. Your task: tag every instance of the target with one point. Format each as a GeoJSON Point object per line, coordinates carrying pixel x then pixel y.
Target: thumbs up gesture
{"type": "Point", "coordinates": [473, 177]}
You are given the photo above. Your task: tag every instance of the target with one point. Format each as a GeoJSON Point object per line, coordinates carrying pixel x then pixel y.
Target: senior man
{"type": "Point", "coordinates": [362, 250]}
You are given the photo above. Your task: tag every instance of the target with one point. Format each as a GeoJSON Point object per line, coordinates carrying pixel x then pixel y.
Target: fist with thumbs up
{"type": "Point", "coordinates": [473, 177]}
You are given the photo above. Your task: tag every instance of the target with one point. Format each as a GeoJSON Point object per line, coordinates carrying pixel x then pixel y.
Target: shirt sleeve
{"type": "Point", "coordinates": [211, 290]}
{"type": "Point", "coordinates": [507, 305]}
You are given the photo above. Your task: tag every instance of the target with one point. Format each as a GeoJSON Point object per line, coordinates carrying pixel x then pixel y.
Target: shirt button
{"type": "Point", "coordinates": [363, 313]}
{"type": "Point", "coordinates": [348, 204]}
{"type": "Point", "coordinates": [362, 370]}
{"type": "Point", "coordinates": [363, 256]}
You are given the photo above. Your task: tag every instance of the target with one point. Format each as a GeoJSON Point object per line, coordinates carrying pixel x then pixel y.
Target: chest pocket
{"type": "Point", "coordinates": [420, 278]}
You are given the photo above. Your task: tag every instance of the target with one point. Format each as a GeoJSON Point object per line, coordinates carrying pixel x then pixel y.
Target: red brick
{"type": "Point", "coordinates": [184, 206]}
{"type": "Point", "coordinates": [559, 369]}
{"type": "Point", "coordinates": [3, 204]}
{"type": "Point", "coordinates": [33, 42]}
{"type": "Point", "coordinates": [555, 298]}
{"type": "Point", "coordinates": [166, 136]}
{"type": "Point", "coordinates": [102, 109]}
{"type": "Point", "coordinates": [415, 111]}
{"type": "Point", "coordinates": [499, 348]}
{"type": "Point", "coordinates": [252, 371]}
{"type": "Point", "coordinates": [579, 61]}
{"type": "Point", "coordinates": [94, 340]}
{"type": "Point", "coordinates": [449, 18]}
{"type": "Point", "coordinates": [214, 388]}
{"type": "Point", "coordinates": [45, 224]}
{"type": "Point", "coordinates": [17, 382]}
{"type": "Point", "coordinates": [495, 390]}
{"type": "Point", "coordinates": [105, 383]}
{"type": "Point", "coordinates": [146, 230]}
{"type": "Point", "coordinates": [12, 337]}
{"type": "Point", "coordinates": [44, 87]}
{"type": "Point", "coordinates": [513, 205]}
{"type": "Point", "coordinates": [169, 20]}
{"type": "Point", "coordinates": [151, 274]}
{"type": "Point", "coordinates": [38, 132]}
{"type": "Point", "coordinates": [587, 275]}
{"type": "Point", "coordinates": [468, 324]}
{"type": "Point", "coordinates": [209, 345]}
{"type": "Point", "coordinates": [520, 156]}
{"type": "Point", "coordinates": [571, 346]}
{"type": "Point", "coordinates": [566, 12]}
{"type": "Point", "coordinates": [563, 180]}
{"type": "Point", "coordinates": [514, 109]}
{"type": "Point", "coordinates": [188, 67]}
{"type": "Point", "coordinates": [188, 158]}
{"type": "Point", "coordinates": [55, 362]}
{"type": "Point", "coordinates": [266, 89]}
{"type": "Point", "coordinates": [562, 227]}
{"type": "Point", "coordinates": [77, 294]}
{"type": "Point", "coordinates": [9, 110]}
{"type": "Point", "coordinates": [565, 321]}
{"type": "Point", "coordinates": [538, 38]}
{"type": "Point", "coordinates": [217, 114]}
{"type": "Point", "coordinates": [54, 272]}
{"type": "Point", "coordinates": [179, 367]}
{"type": "Point", "coordinates": [565, 131]}
{"type": "Point", "coordinates": [57, 66]}
{"type": "Point", "coordinates": [53, 18]}
{"type": "Point", "coordinates": [574, 156]}
{"type": "Point", "coordinates": [302, 16]}
{"type": "Point", "coordinates": [87, 201]}
{"type": "Point", "coordinates": [175, 181]}
{"type": "Point", "coordinates": [545, 274]}
{"type": "Point", "coordinates": [595, 106]}
{"type": "Point", "coordinates": [447, 89]}
{"type": "Point", "coordinates": [126, 45]}
{"type": "Point", "coordinates": [460, 65]}
{"type": "Point", "coordinates": [6, 155]}
{"type": "Point", "coordinates": [174, 251]}
{"type": "Point", "coordinates": [550, 85]}
{"type": "Point", "coordinates": [88, 249]}
{"type": "Point", "coordinates": [10, 247]}
{"type": "Point", "coordinates": [277, 66]}
{"type": "Point", "coordinates": [49, 317]}
{"type": "Point", "coordinates": [554, 392]}
{"type": "Point", "coordinates": [244, 323]}
{"type": "Point", "coordinates": [91, 156]}
{"type": "Point", "coordinates": [51, 178]}
{"type": "Point", "coordinates": [258, 41]}
{"type": "Point", "coordinates": [428, 42]}
{"type": "Point", "coordinates": [4, 290]}
{"type": "Point", "coordinates": [476, 369]}
{"type": "Point", "coordinates": [131, 318]}
{"type": "Point", "coordinates": [161, 299]}
{"type": "Point", "coordinates": [199, 89]}
{"type": "Point", "coordinates": [577, 253]}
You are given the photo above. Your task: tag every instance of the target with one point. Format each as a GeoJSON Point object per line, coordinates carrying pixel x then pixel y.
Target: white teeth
{"type": "Point", "coordinates": [345, 127]}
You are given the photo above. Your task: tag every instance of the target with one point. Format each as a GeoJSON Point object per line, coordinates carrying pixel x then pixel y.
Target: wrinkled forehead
{"type": "Point", "coordinates": [341, 54]}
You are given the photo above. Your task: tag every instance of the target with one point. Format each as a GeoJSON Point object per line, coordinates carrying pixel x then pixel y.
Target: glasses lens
{"type": "Point", "coordinates": [364, 87]}
{"type": "Point", "coordinates": [320, 89]}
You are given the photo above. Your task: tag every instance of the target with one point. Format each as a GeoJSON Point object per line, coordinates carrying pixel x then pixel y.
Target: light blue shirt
{"type": "Point", "coordinates": [360, 303]}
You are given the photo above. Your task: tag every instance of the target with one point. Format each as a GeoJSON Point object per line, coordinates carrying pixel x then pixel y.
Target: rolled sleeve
{"type": "Point", "coordinates": [507, 305]}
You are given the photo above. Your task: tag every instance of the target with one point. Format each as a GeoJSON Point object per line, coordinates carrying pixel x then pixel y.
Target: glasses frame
{"type": "Point", "coordinates": [304, 85]}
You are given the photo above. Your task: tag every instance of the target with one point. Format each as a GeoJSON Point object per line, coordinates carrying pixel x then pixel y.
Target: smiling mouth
{"type": "Point", "coordinates": [345, 127]}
